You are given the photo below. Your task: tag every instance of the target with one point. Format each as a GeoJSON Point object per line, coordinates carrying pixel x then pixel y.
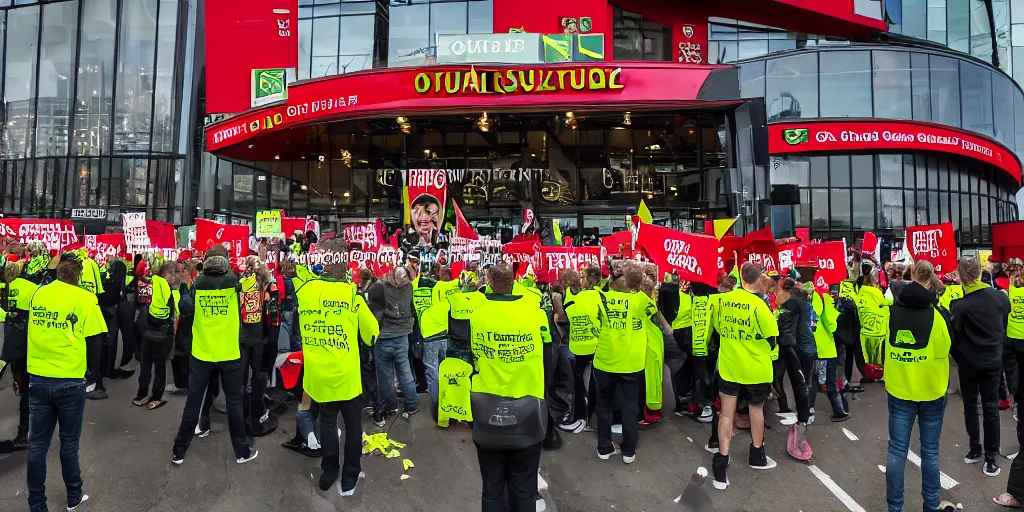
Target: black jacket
{"type": "Point", "coordinates": [113, 284]}
{"type": "Point", "coordinates": [848, 324]}
{"type": "Point", "coordinates": [914, 311]}
{"type": "Point", "coordinates": [795, 325]}
{"type": "Point", "coordinates": [186, 315]}
{"type": "Point", "coordinates": [979, 327]}
{"type": "Point", "coordinates": [668, 301]}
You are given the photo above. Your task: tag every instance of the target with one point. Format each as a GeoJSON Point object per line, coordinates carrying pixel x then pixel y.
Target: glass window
{"type": "Point", "coordinates": [481, 17]}
{"type": "Point", "coordinates": [908, 171]}
{"type": "Point", "coordinates": [751, 77]}
{"type": "Point", "coordinates": [976, 84]}
{"type": "Point", "coordinates": [920, 93]}
{"type": "Point", "coordinates": [891, 81]}
{"type": "Point", "coordinates": [863, 170]}
{"type": "Point", "coordinates": [409, 35]}
{"type": "Point", "coordinates": [819, 208]}
{"type": "Point", "coordinates": [846, 84]}
{"type": "Point", "coordinates": [325, 48]}
{"type": "Point", "coordinates": [981, 31]}
{"type": "Point", "coordinates": [356, 50]}
{"type": "Point", "coordinates": [943, 206]}
{"type": "Point", "coordinates": [914, 18]}
{"type": "Point", "coordinates": [819, 171]}
{"type": "Point", "coordinates": [164, 114]}
{"type": "Point", "coordinates": [933, 173]}
{"type": "Point", "coordinates": [921, 169]}
{"type": "Point", "coordinates": [628, 38]}
{"type": "Point", "coordinates": [1018, 115]}
{"type": "Point", "coordinates": [894, 15]}
{"type": "Point", "coordinates": [20, 80]}
{"type": "Point", "coordinates": [56, 63]}
{"type": "Point", "coordinates": [840, 209]}
{"type": "Point", "coordinates": [791, 170]}
{"type": "Point", "coordinates": [945, 90]}
{"type": "Point", "coordinates": [305, 47]}
{"type": "Point", "coordinates": [751, 49]}
{"type": "Point", "coordinates": [910, 213]}
{"type": "Point", "coordinates": [134, 98]}
{"type": "Point", "coordinates": [792, 87]}
{"type": "Point", "coordinates": [937, 21]}
{"type": "Point", "coordinates": [447, 18]}
{"type": "Point", "coordinates": [863, 209]}
{"type": "Point", "coordinates": [890, 171]}
{"type": "Point", "coordinates": [1002, 97]}
{"type": "Point", "coordinates": [890, 209]}
{"type": "Point", "coordinates": [95, 78]}
{"type": "Point", "coordinates": [839, 171]}
{"type": "Point", "coordinates": [954, 206]}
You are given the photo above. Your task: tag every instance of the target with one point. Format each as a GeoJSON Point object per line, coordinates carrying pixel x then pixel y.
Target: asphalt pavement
{"type": "Point", "coordinates": [126, 450]}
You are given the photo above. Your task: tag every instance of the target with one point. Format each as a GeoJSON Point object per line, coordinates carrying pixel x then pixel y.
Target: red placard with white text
{"type": "Point", "coordinates": [694, 257]}
{"type": "Point", "coordinates": [55, 234]}
{"type": "Point", "coordinates": [933, 243]}
{"type": "Point", "coordinates": [831, 262]}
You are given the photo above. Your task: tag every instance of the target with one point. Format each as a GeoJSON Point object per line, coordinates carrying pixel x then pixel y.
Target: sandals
{"type": "Point", "coordinates": [155, 404]}
{"type": "Point", "coordinates": [1007, 500]}
{"type": "Point", "coordinates": [140, 401]}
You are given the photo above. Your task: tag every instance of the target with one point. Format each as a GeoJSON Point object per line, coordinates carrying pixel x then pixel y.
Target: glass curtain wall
{"type": "Point", "coordinates": [888, 82]}
{"type": "Point", "coordinates": [90, 114]}
{"type": "Point", "coordinates": [845, 195]}
{"type": "Point", "coordinates": [636, 38]}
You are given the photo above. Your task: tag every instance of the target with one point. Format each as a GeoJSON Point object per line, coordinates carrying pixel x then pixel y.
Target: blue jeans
{"type": "Point", "coordinates": [54, 402]}
{"type": "Point", "coordinates": [433, 354]}
{"type": "Point", "coordinates": [392, 356]}
{"type": "Point", "coordinates": [901, 422]}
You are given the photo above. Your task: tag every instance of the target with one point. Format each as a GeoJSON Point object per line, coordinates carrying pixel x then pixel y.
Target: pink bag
{"type": "Point", "coordinates": [797, 444]}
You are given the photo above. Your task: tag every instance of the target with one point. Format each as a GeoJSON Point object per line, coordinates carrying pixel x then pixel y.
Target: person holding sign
{"type": "Point", "coordinates": [64, 316]}
{"type": "Point", "coordinates": [747, 330]}
{"type": "Point", "coordinates": [216, 323]}
{"type": "Point", "coordinates": [333, 319]}
{"type": "Point", "coordinates": [916, 377]}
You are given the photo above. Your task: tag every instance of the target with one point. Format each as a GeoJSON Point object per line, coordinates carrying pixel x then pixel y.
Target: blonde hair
{"type": "Point", "coordinates": [924, 273]}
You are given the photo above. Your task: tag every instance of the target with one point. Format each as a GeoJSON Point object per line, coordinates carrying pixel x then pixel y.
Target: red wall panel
{"type": "Point", "coordinates": [241, 37]}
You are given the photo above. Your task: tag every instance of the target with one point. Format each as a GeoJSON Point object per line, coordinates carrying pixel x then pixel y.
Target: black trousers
{"type": "Point", "coordinates": [252, 379]}
{"type": "Point", "coordinates": [19, 372]}
{"type": "Point", "coordinates": [179, 371]}
{"type": "Point", "coordinates": [584, 400]}
{"type": "Point", "coordinates": [1011, 373]}
{"type": "Point", "coordinates": [799, 365]}
{"type": "Point", "coordinates": [154, 363]}
{"type": "Point", "coordinates": [512, 473]}
{"type": "Point", "coordinates": [126, 324]}
{"type": "Point", "coordinates": [628, 384]}
{"type": "Point", "coordinates": [200, 373]}
{"type": "Point", "coordinates": [985, 383]}
{"type": "Point", "coordinates": [330, 463]}
{"type": "Point", "coordinates": [683, 380]}
{"type": "Point", "coordinates": [858, 358]}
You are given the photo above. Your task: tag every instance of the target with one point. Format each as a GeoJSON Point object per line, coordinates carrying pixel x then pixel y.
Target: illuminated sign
{"type": "Point", "coordinates": [518, 81]}
{"type": "Point", "coordinates": [517, 48]}
{"type": "Point", "coordinates": [268, 86]}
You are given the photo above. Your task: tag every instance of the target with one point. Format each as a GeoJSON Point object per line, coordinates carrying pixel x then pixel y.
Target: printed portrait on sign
{"type": "Point", "coordinates": [425, 215]}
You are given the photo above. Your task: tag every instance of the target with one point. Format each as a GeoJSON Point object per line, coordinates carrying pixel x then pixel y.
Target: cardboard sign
{"type": "Point", "coordinates": [268, 223]}
{"type": "Point", "coordinates": [136, 234]}
{"type": "Point", "coordinates": [694, 257]}
{"type": "Point", "coordinates": [54, 234]}
{"type": "Point", "coordinates": [933, 243]}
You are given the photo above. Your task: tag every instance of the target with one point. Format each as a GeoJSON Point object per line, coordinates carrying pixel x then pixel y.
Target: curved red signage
{"type": "Point", "coordinates": [884, 134]}
{"type": "Point", "coordinates": [400, 91]}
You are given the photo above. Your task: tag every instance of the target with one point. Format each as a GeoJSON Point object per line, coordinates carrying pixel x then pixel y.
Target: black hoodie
{"type": "Point", "coordinates": [914, 311]}
{"type": "Point", "coordinates": [979, 327]}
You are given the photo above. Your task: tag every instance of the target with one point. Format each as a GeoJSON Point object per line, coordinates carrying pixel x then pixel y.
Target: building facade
{"type": "Point", "coordinates": [103, 108]}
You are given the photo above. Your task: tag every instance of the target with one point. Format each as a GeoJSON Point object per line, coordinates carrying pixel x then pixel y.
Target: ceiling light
{"type": "Point", "coordinates": [321, 158]}
{"type": "Point", "coordinates": [346, 194]}
{"type": "Point", "coordinates": [627, 119]}
{"type": "Point", "coordinates": [304, 187]}
{"type": "Point", "coordinates": [277, 157]}
{"type": "Point", "coordinates": [484, 122]}
{"type": "Point", "coordinates": [426, 153]}
{"type": "Point", "coordinates": [346, 157]}
{"type": "Point", "coordinates": [251, 146]}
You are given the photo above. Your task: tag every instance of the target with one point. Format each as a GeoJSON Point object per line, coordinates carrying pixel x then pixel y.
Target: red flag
{"type": "Point", "coordinates": [820, 284]}
{"type": "Point", "coordinates": [933, 243]}
{"type": "Point", "coordinates": [162, 234]}
{"type": "Point", "coordinates": [831, 261]}
{"type": "Point", "coordinates": [209, 233]}
{"type": "Point", "coordinates": [618, 243]}
{"type": "Point", "coordinates": [694, 257]}
{"type": "Point", "coordinates": [462, 228]}
{"type": "Point", "coordinates": [103, 247]}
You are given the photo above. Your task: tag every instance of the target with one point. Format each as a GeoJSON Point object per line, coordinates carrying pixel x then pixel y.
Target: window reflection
{"type": "Point", "coordinates": [846, 84]}
{"type": "Point", "coordinates": [891, 81]}
{"type": "Point", "coordinates": [636, 38]}
{"type": "Point", "coordinates": [791, 87]}
{"type": "Point", "coordinates": [20, 81]}
{"type": "Point", "coordinates": [134, 104]}
{"type": "Point", "coordinates": [56, 61]}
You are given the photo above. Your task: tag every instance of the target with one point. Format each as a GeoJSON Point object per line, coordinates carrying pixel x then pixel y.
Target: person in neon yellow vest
{"type": "Point", "coordinates": [15, 296]}
{"type": "Point", "coordinates": [63, 317]}
{"type": "Point", "coordinates": [511, 342]}
{"type": "Point", "coordinates": [333, 319]}
{"type": "Point", "coordinates": [215, 334]}
{"type": "Point", "coordinates": [583, 312]}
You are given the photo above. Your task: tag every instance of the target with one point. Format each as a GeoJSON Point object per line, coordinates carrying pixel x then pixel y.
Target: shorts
{"type": "Point", "coordinates": [756, 394]}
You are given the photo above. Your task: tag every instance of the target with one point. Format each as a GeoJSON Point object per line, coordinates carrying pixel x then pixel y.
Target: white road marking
{"type": "Point", "coordinates": [881, 468]}
{"type": "Point", "coordinates": [945, 480]}
{"type": "Point", "coordinates": [836, 490]}
{"type": "Point", "coordinates": [850, 435]}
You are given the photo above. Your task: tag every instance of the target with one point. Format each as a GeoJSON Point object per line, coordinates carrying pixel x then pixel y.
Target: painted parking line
{"type": "Point", "coordinates": [837, 491]}
{"type": "Point", "coordinates": [850, 435]}
{"type": "Point", "coordinates": [947, 482]}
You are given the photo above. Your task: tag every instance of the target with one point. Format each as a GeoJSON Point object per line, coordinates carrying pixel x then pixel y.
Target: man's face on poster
{"type": "Point", "coordinates": [426, 218]}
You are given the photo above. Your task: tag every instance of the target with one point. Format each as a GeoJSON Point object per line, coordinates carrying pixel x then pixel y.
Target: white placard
{"type": "Point", "coordinates": [136, 235]}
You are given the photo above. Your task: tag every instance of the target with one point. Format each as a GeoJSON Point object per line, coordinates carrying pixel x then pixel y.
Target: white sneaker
{"type": "Point", "coordinates": [575, 427]}
{"type": "Point", "coordinates": [721, 486]}
{"type": "Point", "coordinates": [769, 465]}
{"type": "Point", "coordinates": [90, 388]}
{"type": "Point", "coordinates": [541, 505]}
{"type": "Point", "coordinates": [201, 433]}
{"type": "Point", "coordinates": [85, 497]}
{"type": "Point", "coordinates": [787, 421]}
{"type": "Point", "coordinates": [352, 491]}
{"type": "Point", "coordinates": [629, 460]}
{"type": "Point", "coordinates": [617, 429]}
{"type": "Point", "coordinates": [252, 455]}
{"type": "Point", "coordinates": [706, 415]}
{"type": "Point", "coordinates": [265, 417]}
{"type": "Point", "coordinates": [606, 456]}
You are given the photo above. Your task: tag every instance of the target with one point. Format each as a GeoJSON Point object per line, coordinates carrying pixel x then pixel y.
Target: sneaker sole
{"type": "Point", "coordinates": [702, 419]}
{"type": "Point", "coordinates": [203, 434]}
{"type": "Point", "coordinates": [607, 456]}
{"type": "Point", "coordinates": [251, 457]}
{"type": "Point", "coordinates": [972, 461]}
{"type": "Point", "coordinates": [630, 460]}
{"type": "Point", "coordinates": [709, 449]}
{"type": "Point", "coordinates": [770, 465]}
{"type": "Point", "coordinates": [721, 486]}
{"type": "Point", "coordinates": [999, 470]}
{"type": "Point", "coordinates": [177, 462]}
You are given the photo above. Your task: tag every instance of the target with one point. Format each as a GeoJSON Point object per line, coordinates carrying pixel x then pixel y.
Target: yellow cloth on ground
{"type": "Point", "coordinates": [454, 385]}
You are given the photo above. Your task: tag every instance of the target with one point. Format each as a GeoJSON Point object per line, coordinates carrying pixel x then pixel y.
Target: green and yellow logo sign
{"type": "Point", "coordinates": [268, 86]}
{"type": "Point", "coordinates": [573, 47]}
{"type": "Point", "coordinates": [794, 136]}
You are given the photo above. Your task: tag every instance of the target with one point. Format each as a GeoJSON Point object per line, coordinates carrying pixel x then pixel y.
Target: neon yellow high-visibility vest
{"type": "Point", "coordinates": [508, 347]}
{"type": "Point", "coordinates": [62, 317]}
{"type": "Point", "coordinates": [215, 326]}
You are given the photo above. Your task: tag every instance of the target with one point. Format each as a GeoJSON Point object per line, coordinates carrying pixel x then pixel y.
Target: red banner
{"type": "Point", "coordinates": [368, 235]}
{"type": "Point", "coordinates": [526, 254]}
{"type": "Point", "coordinates": [103, 247]}
{"type": "Point", "coordinates": [933, 243]}
{"type": "Point", "coordinates": [55, 234]}
{"type": "Point", "coordinates": [887, 135]}
{"type": "Point", "coordinates": [162, 234]}
{"type": "Point", "coordinates": [694, 257]}
{"type": "Point", "coordinates": [428, 194]}
{"type": "Point", "coordinates": [262, 35]}
{"type": "Point", "coordinates": [557, 259]}
{"type": "Point", "coordinates": [236, 238]}
{"type": "Point", "coordinates": [831, 262]}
